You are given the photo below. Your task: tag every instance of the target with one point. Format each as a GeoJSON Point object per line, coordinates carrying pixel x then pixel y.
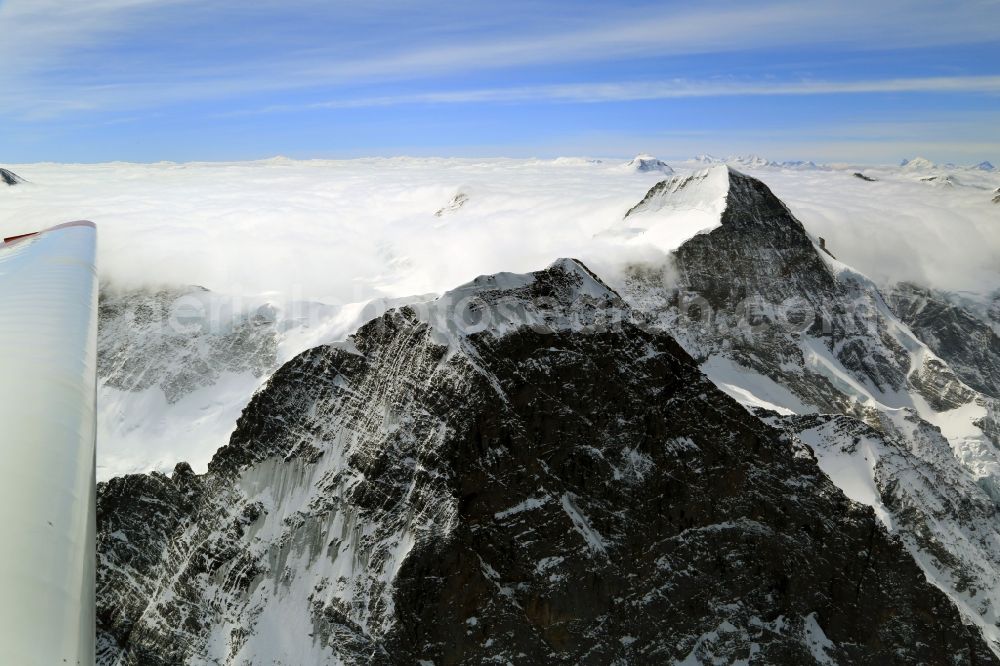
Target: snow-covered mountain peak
{"type": "Point", "coordinates": [676, 209]}
{"type": "Point", "coordinates": [564, 296]}
{"type": "Point", "coordinates": [646, 163]}
{"type": "Point", "coordinates": [985, 166]}
{"type": "Point", "coordinates": [700, 190]}
{"type": "Point", "coordinates": [565, 278]}
{"type": "Point", "coordinates": [750, 201]}
{"type": "Point", "coordinates": [917, 164]}
{"type": "Point", "coordinates": [802, 165]}
{"type": "Point", "coordinates": [755, 161]}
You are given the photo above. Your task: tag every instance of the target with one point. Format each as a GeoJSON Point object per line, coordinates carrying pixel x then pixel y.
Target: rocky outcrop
{"type": "Point", "coordinates": [954, 331]}
{"type": "Point", "coordinates": [10, 178]}
{"type": "Point", "coordinates": [943, 181]}
{"type": "Point", "coordinates": [139, 515]}
{"type": "Point", "coordinates": [906, 472]}
{"type": "Point", "coordinates": [518, 472]}
{"type": "Point", "coordinates": [755, 288]}
{"type": "Point", "coordinates": [757, 291]}
{"type": "Point", "coordinates": [454, 205]}
{"type": "Point", "coordinates": [782, 326]}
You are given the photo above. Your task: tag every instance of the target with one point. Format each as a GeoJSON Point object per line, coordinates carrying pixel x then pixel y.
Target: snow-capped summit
{"type": "Point", "coordinates": [753, 161]}
{"type": "Point", "coordinates": [646, 163]}
{"type": "Point", "coordinates": [9, 177]}
{"type": "Point", "coordinates": [698, 191]}
{"type": "Point", "coordinates": [799, 164]}
{"type": "Point", "coordinates": [679, 208]}
{"type": "Point", "coordinates": [433, 488]}
{"type": "Point", "coordinates": [917, 164]}
{"type": "Point", "coordinates": [503, 302]}
{"type": "Point", "coordinates": [775, 320]}
{"type": "Point", "coordinates": [705, 158]}
{"type": "Point", "coordinates": [984, 166]}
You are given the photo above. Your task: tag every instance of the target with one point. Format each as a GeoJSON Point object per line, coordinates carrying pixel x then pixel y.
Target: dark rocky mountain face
{"type": "Point", "coordinates": [774, 320]}
{"type": "Point", "coordinates": [9, 177]}
{"type": "Point", "coordinates": [139, 515]}
{"type": "Point", "coordinates": [757, 290]}
{"type": "Point", "coordinates": [559, 485]}
{"type": "Point", "coordinates": [755, 287]}
{"type": "Point", "coordinates": [906, 470]}
{"type": "Point", "coordinates": [967, 341]}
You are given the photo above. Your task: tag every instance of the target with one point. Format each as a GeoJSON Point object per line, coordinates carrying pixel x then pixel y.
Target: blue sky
{"type": "Point", "coordinates": [150, 80]}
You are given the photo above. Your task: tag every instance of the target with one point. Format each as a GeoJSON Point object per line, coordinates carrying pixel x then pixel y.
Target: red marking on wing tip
{"type": "Point", "coordinates": [19, 236]}
{"type": "Point", "coordinates": [77, 223]}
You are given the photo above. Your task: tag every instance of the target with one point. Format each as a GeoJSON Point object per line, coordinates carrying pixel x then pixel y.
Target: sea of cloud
{"type": "Point", "coordinates": [349, 230]}
{"type": "Point", "coordinates": [344, 232]}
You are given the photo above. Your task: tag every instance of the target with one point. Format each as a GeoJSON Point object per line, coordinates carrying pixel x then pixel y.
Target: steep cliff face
{"type": "Point", "coordinates": [520, 473]}
{"type": "Point", "coordinates": [755, 289]}
{"type": "Point", "coordinates": [906, 472]}
{"type": "Point", "coordinates": [177, 366]}
{"type": "Point", "coordinates": [781, 325]}
{"type": "Point", "coordinates": [139, 515]}
{"type": "Point", "coordinates": [966, 339]}
{"type": "Point", "coordinates": [777, 318]}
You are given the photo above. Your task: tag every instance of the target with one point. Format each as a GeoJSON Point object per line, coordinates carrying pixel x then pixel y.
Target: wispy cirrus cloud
{"type": "Point", "coordinates": [65, 56]}
{"type": "Point", "coordinates": [653, 90]}
{"type": "Point", "coordinates": [178, 66]}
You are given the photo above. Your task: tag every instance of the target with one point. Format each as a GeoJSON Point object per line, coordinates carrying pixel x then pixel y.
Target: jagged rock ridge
{"type": "Point", "coordinates": [782, 326]}
{"type": "Point", "coordinates": [454, 486]}
{"type": "Point", "coordinates": [966, 341]}
{"type": "Point", "coordinates": [905, 470]}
